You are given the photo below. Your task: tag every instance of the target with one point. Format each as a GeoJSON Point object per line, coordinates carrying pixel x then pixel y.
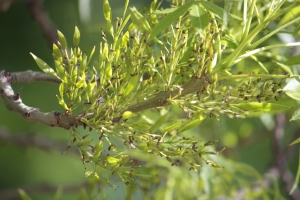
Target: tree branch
{"type": "Point", "coordinates": [32, 76]}
{"type": "Point", "coordinates": [31, 140]}
{"type": "Point", "coordinates": [38, 14]}
{"type": "Point", "coordinates": [280, 157]}
{"type": "Point", "coordinates": [5, 4]}
{"type": "Point", "coordinates": [161, 99]}
{"type": "Point", "coordinates": [14, 102]}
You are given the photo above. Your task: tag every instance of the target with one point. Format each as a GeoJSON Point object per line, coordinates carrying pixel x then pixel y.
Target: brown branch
{"type": "Point", "coordinates": [38, 14]}
{"type": "Point", "coordinates": [65, 120]}
{"type": "Point", "coordinates": [161, 99]}
{"type": "Point", "coordinates": [14, 103]}
{"type": "Point", "coordinates": [281, 159]}
{"type": "Point", "coordinates": [31, 140]}
{"type": "Point", "coordinates": [32, 76]}
{"type": "Point", "coordinates": [5, 4]}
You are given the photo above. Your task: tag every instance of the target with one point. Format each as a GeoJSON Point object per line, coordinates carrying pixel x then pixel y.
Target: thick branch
{"type": "Point", "coordinates": [14, 103]}
{"type": "Point", "coordinates": [38, 14]}
{"type": "Point", "coordinates": [161, 99]}
{"type": "Point", "coordinates": [32, 76]}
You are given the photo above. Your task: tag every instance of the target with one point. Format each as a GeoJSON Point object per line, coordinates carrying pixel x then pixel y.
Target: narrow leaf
{"type": "Point", "coordinates": [216, 10]}
{"type": "Point", "coordinates": [44, 66]}
{"type": "Point", "coordinates": [169, 19]}
{"type": "Point", "coordinates": [158, 123]}
{"type": "Point", "coordinates": [24, 195]}
{"type": "Point", "coordinates": [62, 40]}
{"type": "Point", "coordinates": [106, 10]}
{"type": "Point", "coordinates": [293, 61]}
{"type": "Point", "coordinates": [295, 141]}
{"type": "Point", "coordinates": [261, 107]}
{"type": "Point", "coordinates": [285, 68]}
{"type": "Point", "coordinates": [292, 89]}
{"type": "Point", "coordinates": [296, 116]}
{"type": "Point", "coordinates": [289, 16]}
{"type": "Point", "coordinates": [199, 17]}
{"type": "Point", "coordinates": [139, 21]}
{"type": "Point", "coordinates": [297, 177]}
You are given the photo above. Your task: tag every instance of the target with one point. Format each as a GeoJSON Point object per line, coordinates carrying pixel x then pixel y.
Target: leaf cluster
{"type": "Point", "coordinates": [186, 56]}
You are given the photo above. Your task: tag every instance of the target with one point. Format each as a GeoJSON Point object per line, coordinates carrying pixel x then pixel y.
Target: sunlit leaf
{"type": "Point", "coordinates": [44, 66]}
{"type": "Point", "coordinates": [289, 16]}
{"type": "Point", "coordinates": [292, 89]}
{"type": "Point", "coordinates": [62, 39]}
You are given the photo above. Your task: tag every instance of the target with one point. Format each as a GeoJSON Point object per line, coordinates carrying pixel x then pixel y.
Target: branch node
{"type": "Point", "coordinates": [1, 92]}
{"type": "Point", "coordinates": [164, 102]}
{"type": "Point", "coordinates": [56, 114]}
{"type": "Point", "coordinates": [27, 114]}
{"type": "Point", "coordinates": [16, 97]}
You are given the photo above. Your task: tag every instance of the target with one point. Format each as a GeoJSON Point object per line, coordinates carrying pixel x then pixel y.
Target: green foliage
{"type": "Point", "coordinates": [189, 56]}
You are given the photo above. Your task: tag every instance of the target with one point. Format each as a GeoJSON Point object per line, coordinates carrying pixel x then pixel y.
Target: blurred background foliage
{"type": "Point", "coordinates": [31, 154]}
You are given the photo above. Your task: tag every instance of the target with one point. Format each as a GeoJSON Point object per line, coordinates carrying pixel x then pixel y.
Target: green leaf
{"type": "Point", "coordinates": [216, 10]}
{"type": "Point", "coordinates": [80, 84]}
{"type": "Point", "coordinates": [191, 124]}
{"type": "Point", "coordinates": [76, 37]}
{"type": "Point", "coordinates": [285, 68]}
{"type": "Point", "coordinates": [169, 19]}
{"type": "Point", "coordinates": [262, 107]}
{"type": "Point", "coordinates": [164, 11]}
{"type": "Point", "coordinates": [292, 89]}
{"type": "Point", "coordinates": [293, 94]}
{"type": "Point", "coordinates": [58, 193]}
{"type": "Point", "coordinates": [91, 55]}
{"type": "Point", "coordinates": [158, 123]}
{"type": "Point", "coordinates": [289, 16]}
{"type": "Point", "coordinates": [98, 149]}
{"type": "Point", "coordinates": [199, 18]}
{"type": "Point", "coordinates": [106, 10]}
{"type": "Point", "coordinates": [44, 66]}
{"type": "Point", "coordinates": [293, 61]}
{"type": "Point", "coordinates": [132, 84]}
{"type": "Point", "coordinates": [139, 21]}
{"type": "Point", "coordinates": [57, 53]}
{"type": "Point", "coordinates": [62, 39]}
{"type": "Point", "coordinates": [296, 116]}
{"type": "Point", "coordinates": [23, 195]}
{"type": "Point", "coordinates": [295, 141]}
{"type": "Point", "coordinates": [295, 185]}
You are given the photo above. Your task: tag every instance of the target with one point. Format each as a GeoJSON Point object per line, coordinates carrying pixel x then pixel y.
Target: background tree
{"type": "Point", "coordinates": [146, 92]}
